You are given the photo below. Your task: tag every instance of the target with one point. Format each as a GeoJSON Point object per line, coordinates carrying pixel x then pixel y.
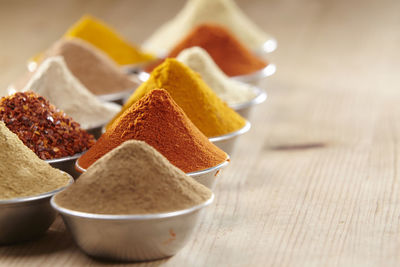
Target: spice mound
{"type": "Point", "coordinates": [229, 90]}
{"type": "Point", "coordinates": [22, 173]}
{"type": "Point", "coordinates": [55, 82]}
{"type": "Point", "coordinates": [160, 122]}
{"type": "Point", "coordinates": [203, 107]}
{"type": "Point", "coordinates": [94, 69]}
{"type": "Point", "coordinates": [195, 12]}
{"type": "Point", "coordinates": [133, 179]}
{"type": "Point", "coordinates": [231, 56]}
{"type": "Point", "coordinates": [108, 40]}
{"type": "Point", "coordinates": [42, 127]}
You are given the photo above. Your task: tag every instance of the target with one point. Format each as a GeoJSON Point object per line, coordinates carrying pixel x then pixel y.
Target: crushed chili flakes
{"type": "Point", "coordinates": [49, 132]}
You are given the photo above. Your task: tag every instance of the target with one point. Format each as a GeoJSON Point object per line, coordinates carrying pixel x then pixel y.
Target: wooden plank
{"type": "Point", "coordinates": [316, 181]}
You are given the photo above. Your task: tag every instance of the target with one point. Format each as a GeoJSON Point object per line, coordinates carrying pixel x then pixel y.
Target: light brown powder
{"type": "Point", "coordinates": [133, 179]}
{"type": "Point", "coordinates": [22, 173]}
{"type": "Point", "coordinates": [93, 68]}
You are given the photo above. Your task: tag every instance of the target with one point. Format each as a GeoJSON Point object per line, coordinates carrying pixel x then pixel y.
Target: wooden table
{"type": "Point", "coordinates": [316, 181]}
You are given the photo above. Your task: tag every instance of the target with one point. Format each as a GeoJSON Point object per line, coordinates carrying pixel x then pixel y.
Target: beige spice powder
{"type": "Point", "coordinates": [133, 178]}
{"type": "Point", "coordinates": [22, 173]}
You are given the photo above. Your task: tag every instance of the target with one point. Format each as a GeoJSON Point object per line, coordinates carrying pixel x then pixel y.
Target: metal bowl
{"type": "Point", "coordinates": [227, 142]}
{"type": "Point", "coordinates": [131, 237]}
{"type": "Point", "coordinates": [66, 164]}
{"type": "Point", "coordinates": [208, 177]}
{"type": "Point", "coordinates": [256, 77]}
{"type": "Point", "coordinates": [244, 109]}
{"type": "Point", "coordinates": [23, 219]}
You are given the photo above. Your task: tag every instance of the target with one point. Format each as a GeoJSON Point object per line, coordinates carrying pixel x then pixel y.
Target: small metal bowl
{"type": "Point", "coordinates": [244, 109]}
{"type": "Point", "coordinates": [208, 177]}
{"type": "Point", "coordinates": [131, 237]}
{"type": "Point", "coordinates": [227, 142]}
{"type": "Point", "coordinates": [26, 218]}
{"type": "Point", "coordinates": [66, 164]}
{"type": "Point", "coordinates": [256, 77]}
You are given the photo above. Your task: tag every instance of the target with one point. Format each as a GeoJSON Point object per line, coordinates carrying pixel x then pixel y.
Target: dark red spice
{"type": "Point", "coordinates": [49, 132]}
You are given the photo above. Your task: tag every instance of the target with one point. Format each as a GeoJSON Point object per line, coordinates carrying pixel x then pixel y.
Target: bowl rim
{"type": "Point", "coordinates": [241, 131]}
{"type": "Point", "coordinates": [267, 71]}
{"type": "Point", "coordinates": [20, 200]}
{"type": "Point", "coordinates": [260, 97]}
{"type": "Point", "coordinates": [269, 46]}
{"type": "Point", "coordinates": [130, 217]}
{"type": "Point", "coordinates": [217, 167]}
{"type": "Point", "coordinates": [73, 157]}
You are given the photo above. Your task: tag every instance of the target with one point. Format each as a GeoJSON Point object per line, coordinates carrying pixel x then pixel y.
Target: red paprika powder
{"type": "Point", "coordinates": [160, 122]}
{"type": "Point", "coordinates": [227, 51]}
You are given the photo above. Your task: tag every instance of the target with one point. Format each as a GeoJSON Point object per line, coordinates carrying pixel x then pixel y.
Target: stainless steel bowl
{"type": "Point", "coordinates": [255, 78]}
{"type": "Point", "coordinates": [131, 237]}
{"type": "Point", "coordinates": [66, 164]}
{"type": "Point", "coordinates": [208, 177]}
{"type": "Point", "coordinates": [23, 219]}
{"type": "Point", "coordinates": [244, 109]}
{"type": "Point", "coordinates": [227, 142]}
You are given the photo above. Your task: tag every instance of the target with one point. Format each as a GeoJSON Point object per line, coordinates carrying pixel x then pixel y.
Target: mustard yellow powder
{"type": "Point", "coordinates": [107, 39]}
{"type": "Point", "coordinates": [203, 107]}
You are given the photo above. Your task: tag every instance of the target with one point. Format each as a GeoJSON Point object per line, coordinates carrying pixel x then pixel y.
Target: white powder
{"type": "Point", "coordinates": [54, 81]}
{"type": "Point", "coordinates": [223, 12]}
{"type": "Point", "coordinates": [229, 90]}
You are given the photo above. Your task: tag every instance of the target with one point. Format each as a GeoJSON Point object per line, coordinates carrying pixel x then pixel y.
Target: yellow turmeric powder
{"type": "Point", "coordinates": [203, 107]}
{"type": "Point", "coordinates": [107, 39]}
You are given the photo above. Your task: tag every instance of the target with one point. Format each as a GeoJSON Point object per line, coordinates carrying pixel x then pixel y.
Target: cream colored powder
{"type": "Point", "coordinates": [133, 178]}
{"type": "Point", "coordinates": [54, 81]}
{"type": "Point", "coordinates": [22, 173]}
{"type": "Point", "coordinates": [223, 12]}
{"type": "Point", "coordinates": [231, 91]}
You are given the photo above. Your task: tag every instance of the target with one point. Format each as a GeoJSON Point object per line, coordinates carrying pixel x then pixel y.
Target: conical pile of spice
{"type": "Point", "coordinates": [195, 12]}
{"type": "Point", "coordinates": [55, 82]}
{"type": "Point", "coordinates": [203, 107]}
{"type": "Point", "coordinates": [229, 90]}
{"type": "Point", "coordinates": [22, 173]}
{"type": "Point", "coordinates": [133, 179]}
{"type": "Point", "coordinates": [160, 122]}
{"type": "Point", "coordinates": [42, 127]}
{"type": "Point", "coordinates": [231, 56]}
{"type": "Point", "coordinates": [94, 69]}
{"type": "Point", "coordinates": [105, 38]}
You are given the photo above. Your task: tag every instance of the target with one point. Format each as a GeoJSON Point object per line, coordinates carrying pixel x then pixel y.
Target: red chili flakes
{"type": "Point", "coordinates": [49, 132]}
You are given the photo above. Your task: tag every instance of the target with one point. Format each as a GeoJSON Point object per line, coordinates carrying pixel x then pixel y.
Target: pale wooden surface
{"type": "Point", "coordinates": [316, 181]}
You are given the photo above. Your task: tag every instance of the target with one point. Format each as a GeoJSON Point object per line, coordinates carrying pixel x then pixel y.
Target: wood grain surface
{"type": "Point", "coordinates": [316, 181]}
